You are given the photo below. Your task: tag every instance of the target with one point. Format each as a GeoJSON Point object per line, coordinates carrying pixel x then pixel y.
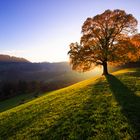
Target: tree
{"type": "Point", "coordinates": [106, 38]}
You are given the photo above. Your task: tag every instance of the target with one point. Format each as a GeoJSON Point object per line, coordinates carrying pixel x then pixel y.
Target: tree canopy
{"type": "Point", "coordinates": [110, 37]}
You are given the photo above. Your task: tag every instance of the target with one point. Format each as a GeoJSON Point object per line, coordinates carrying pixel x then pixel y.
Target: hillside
{"type": "Point", "coordinates": [98, 108]}
{"type": "Point", "coordinates": [34, 71]}
{"type": "Point", "coordinates": [8, 58]}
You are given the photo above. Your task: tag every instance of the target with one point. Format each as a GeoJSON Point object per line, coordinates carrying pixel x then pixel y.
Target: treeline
{"type": "Point", "coordinates": [11, 89]}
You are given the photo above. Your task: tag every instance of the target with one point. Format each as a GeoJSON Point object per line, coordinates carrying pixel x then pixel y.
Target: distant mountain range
{"type": "Point", "coordinates": [8, 58]}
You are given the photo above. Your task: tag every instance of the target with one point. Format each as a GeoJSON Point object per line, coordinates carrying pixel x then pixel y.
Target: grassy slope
{"type": "Point", "coordinates": [17, 100]}
{"type": "Point", "coordinates": [103, 108]}
{"type": "Point", "coordinates": [60, 81]}
{"type": "Point", "coordinates": [56, 82]}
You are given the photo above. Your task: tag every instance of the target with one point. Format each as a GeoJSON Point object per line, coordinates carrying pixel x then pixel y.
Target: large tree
{"type": "Point", "coordinates": [106, 38]}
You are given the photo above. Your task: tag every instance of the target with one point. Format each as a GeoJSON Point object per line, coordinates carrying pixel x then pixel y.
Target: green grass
{"type": "Point", "coordinates": [17, 100]}
{"type": "Point", "coordinates": [105, 108]}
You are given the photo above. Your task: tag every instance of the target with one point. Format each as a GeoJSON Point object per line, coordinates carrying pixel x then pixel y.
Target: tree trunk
{"type": "Point", "coordinates": [105, 70]}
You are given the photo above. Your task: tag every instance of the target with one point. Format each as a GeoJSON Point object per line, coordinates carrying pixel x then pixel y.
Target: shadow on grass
{"type": "Point", "coordinates": [88, 121]}
{"type": "Point", "coordinates": [129, 102]}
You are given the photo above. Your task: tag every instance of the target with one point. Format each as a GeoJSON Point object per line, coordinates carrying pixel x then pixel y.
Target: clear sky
{"type": "Point", "coordinates": [41, 30]}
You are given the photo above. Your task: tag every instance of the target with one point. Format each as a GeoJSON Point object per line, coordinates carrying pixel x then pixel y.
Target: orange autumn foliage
{"type": "Point", "coordinates": [110, 37]}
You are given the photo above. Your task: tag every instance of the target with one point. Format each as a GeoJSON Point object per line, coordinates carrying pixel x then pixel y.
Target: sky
{"type": "Point", "coordinates": [41, 30]}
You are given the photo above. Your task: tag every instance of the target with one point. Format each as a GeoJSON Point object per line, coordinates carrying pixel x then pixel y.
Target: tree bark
{"type": "Point", "coordinates": [105, 69]}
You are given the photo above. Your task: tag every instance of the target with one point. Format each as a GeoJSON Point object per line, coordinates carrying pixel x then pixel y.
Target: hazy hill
{"type": "Point", "coordinates": [13, 71]}
{"type": "Point", "coordinates": [98, 108]}
{"type": "Point", "coordinates": [8, 58]}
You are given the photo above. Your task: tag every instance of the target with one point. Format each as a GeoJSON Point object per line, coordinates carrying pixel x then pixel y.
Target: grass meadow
{"type": "Point", "coordinates": [101, 108]}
